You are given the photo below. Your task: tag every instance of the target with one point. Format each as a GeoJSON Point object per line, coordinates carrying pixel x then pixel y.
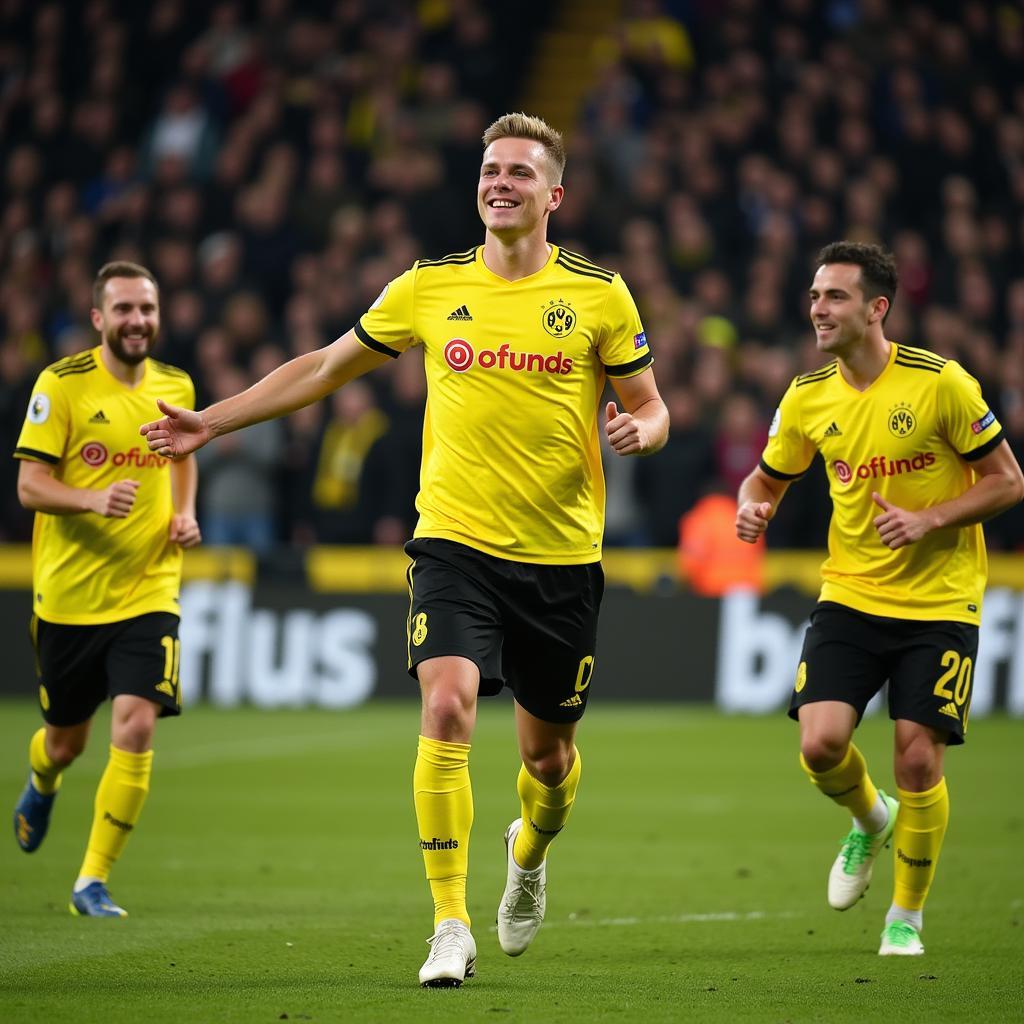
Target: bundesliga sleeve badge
{"type": "Point", "coordinates": [39, 408]}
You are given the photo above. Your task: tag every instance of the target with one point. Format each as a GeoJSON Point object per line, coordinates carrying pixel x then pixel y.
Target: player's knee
{"type": "Point", "coordinates": [822, 751]}
{"type": "Point", "coordinates": [448, 712]}
{"type": "Point", "coordinates": [133, 734]}
{"type": "Point", "coordinates": [549, 766]}
{"type": "Point", "coordinates": [918, 767]}
{"type": "Point", "coordinates": [65, 749]}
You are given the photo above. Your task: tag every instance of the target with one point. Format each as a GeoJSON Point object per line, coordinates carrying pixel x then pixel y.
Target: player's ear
{"type": "Point", "coordinates": [879, 307]}
{"type": "Point", "coordinates": [555, 201]}
{"type": "Point", "coordinates": [96, 317]}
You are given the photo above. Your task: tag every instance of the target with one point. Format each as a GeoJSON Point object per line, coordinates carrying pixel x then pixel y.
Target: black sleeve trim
{"type": "Point", "coordinates": [980, 452]}
{"type": "Point", "coordinates": [778, 475]}
{"type": "Point", "coordinates": [32, 453]}
{"type": "Point", "coordinates": [628, 369]}
{"type": "Point", "coordinates": [372, 343]}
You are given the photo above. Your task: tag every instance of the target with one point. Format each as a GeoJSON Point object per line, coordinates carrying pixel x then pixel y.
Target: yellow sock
{"type": "Point", "coordinates": [122, 792]}
{"type": "Point", "coordinates": [848, 784]}
{"type": "Point", "coordinates": [45, 773]}
{"type": "Point", "coordinates": [443, 797]}
{"type": "Point", "coordinates": [917, 840]}
{"type": "Point", "coordinates": [545, 811]}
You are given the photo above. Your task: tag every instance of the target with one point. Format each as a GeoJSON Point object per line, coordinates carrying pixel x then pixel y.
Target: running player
{"type": "Point", "coordinates": [111, 522]}
{"type": "Point", "coordinates": [916, 462]}
{"type": "Point", "coordinates": [519, 337]}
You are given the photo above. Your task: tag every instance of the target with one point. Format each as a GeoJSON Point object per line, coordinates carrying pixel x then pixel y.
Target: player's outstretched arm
{"type": "Point", "coordinates": [758, 499]}
{"type": "Point", "coordinates": [999, 486]}
{"type": "Point", "coordinates": [40, 491]}
{"type": "Point", "coordinates": [297, 383]}
{"type": "Point", "coordinates": [642, 427]}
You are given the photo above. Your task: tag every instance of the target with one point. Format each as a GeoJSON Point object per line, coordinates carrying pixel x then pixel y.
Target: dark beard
{"type": "Point", "coordinates": [113, 339]}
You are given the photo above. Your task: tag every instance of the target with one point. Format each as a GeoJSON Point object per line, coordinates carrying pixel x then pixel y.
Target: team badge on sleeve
{"type": "Point", "coordinates": [986, 421]}
{"type": "Point", "coordinates": [39, 408]}
{"type": "Point", "coordinates": [776, 423]}
{"type": "Point", "coordinates": [639, 340]}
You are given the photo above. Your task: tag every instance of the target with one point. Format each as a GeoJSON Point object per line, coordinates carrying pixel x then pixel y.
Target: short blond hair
{"type": "Point", "coordinates": [536, 129]}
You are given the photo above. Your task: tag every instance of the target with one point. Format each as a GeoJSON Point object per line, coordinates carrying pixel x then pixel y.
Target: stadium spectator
{"type": "Point", "coordinates": [712, 562]}
{"type": "Point", "coordinates": [344, 509]}
{"type": "Point", "coordinates": [238, 500]}
{"type": "Point", "coordinates": [743, 134]}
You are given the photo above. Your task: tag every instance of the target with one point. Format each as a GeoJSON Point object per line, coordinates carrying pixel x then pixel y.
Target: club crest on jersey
{"type": "Point", "coordinates": [558, 318]}
{"type": "Point", "coordinates": [902, 421]}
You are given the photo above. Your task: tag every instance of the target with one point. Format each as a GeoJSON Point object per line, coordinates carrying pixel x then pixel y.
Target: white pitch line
{"type": "Point", "coordinates": [266, 748]}
{"type": "Point", "coordinates": [575, 921]}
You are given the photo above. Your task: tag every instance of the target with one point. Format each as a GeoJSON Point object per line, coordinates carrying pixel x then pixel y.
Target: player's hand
{"type": "Point", "coordinates": [626, 435]}
{"type": "Point", "coordinates": [117, 500]}
{"type": "Point", "coordinates": [179, 433]}
{"type": "Point", "coordinates": [897, 526]}
{"type": "Point", "coordinates": [752, 519]}
{"type": "Point", "coordinates": [185, 531]}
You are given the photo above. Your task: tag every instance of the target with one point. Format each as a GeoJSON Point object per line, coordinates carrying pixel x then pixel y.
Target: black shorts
{"type": "Point", "coordinates": [848, 656]}
{"type": "Point", "coordinates": [79, 667]}
{"type": "Point", "coordinates": [530, 627]}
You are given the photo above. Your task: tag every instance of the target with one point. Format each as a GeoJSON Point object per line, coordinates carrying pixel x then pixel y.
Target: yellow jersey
{"type": "Point", "coordinates": [515, 372]}
{"type": "Point", "coordinates": [910, 437]}
{"type": "Point", "coordinates": [87, 568]}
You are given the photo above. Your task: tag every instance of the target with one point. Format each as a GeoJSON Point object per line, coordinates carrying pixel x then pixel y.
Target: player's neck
{"type": "Point", "coordinates": [863, 364]}
{"type": "Point", "coordinates": [517, 258]}
{"type": "Point", "coordinates": [127, 373]}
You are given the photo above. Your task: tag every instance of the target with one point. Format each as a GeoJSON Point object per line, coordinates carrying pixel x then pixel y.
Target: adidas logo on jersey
{"type": "Point", "coordinates": [462, 313]}
{"type": "Point", "coordinates": [950, 710]}
{"type": "Point", "coordinates": [574, 701]}
{"type": "Point", "coordinates": [99, 418]}
{"type": "Point", "coordinates": [833, 430]}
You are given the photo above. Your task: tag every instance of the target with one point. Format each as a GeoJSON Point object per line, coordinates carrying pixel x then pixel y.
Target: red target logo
{"type": "Point", "coordinates": [458, 354]}
{"type": "Point", "coordinates": [93, 453]}
{"type": "Point", "coordinates": [842, 470]}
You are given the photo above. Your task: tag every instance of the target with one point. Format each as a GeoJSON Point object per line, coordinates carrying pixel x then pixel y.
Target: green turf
{"type": "Point", "coordinates": [275, 875]}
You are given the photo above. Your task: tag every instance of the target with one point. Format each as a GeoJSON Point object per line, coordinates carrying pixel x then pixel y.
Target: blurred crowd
{"type": "Point", "coordinates": [277, 162]}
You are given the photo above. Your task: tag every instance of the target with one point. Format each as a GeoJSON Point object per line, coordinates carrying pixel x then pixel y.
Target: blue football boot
{"type": "Point", "coordinates": [32, 816]}
{"type": "Point", "coordinates": [95, 901]}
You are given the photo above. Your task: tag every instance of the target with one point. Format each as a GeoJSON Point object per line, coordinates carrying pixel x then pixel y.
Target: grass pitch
{"type": "Point", "coordinates": [275, 876]}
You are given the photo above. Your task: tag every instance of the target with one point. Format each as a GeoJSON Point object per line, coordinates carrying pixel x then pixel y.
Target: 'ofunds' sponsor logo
{"type": "Point", "coordinates": [879, 466]}
{"type": "Point", "coordinates": [460, 355]}
{"type": "Point", "coordinates": [95, 454]}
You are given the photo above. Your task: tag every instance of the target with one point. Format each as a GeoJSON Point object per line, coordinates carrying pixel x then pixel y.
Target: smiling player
{"type": "Point", "coordinates": [505, 582]}
{"type": "Point", "coordinates": [111, 521]}
{"type": "Point", "coordinates": [916, 462]}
